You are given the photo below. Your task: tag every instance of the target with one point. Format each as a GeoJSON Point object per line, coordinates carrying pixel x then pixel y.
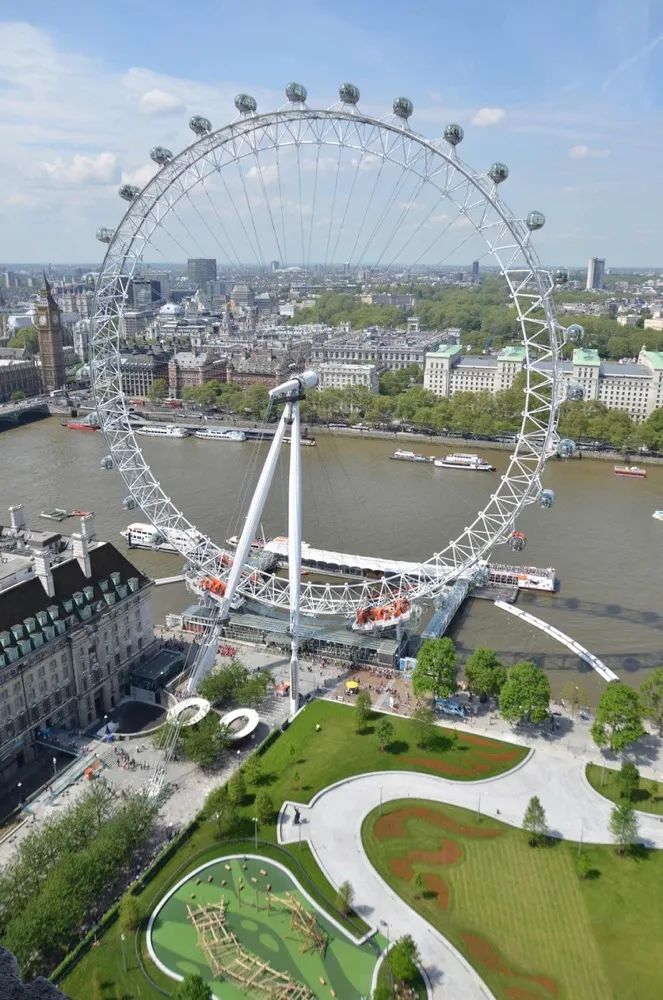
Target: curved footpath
{"type": "Point", "coordinates": [332, 825]}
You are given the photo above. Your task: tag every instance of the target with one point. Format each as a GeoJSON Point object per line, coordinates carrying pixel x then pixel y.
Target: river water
{"type": "Point", "coordinates": [600, 535]}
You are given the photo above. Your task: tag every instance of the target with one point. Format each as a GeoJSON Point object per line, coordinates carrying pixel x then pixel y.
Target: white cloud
{"type": "Point", "coordinates": [159, 102]}
{"type": "Point", "coordinates": [80, 169]}
{"type": "Point", "coordinates": [140, 176]}
{"type": "Point", "coordinates": [582, 152]}
{"type": "Point", "coordinates": [488, 116]}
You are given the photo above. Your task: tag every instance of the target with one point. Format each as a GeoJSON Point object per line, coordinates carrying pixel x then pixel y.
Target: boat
{"type": "Point", "coordinates": [410, 456]}
{"type": "Point", "coordinates": [80, 425]}
{"type": "Point", "coordinates": [56, 514]}
{"type": "Point", "coordinates": [219, 434]}
{"type": "Point", "coordinates": [146, 536]}
{"type": "Point", "coordinates": [524, 577]}
{"type": "Point", "coordinates": [459, 460]}
{"type": "Point", "coordinates": [164, 430]}
{"type": "Point", "coordinates": [630, 471]}
{"type": "Point", "coordinates": [658, 515]}
{"type": "Point", "coordinates": [305, 442]}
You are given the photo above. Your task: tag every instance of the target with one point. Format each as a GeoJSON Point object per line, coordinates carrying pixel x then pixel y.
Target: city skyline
{"type": "Point", "coordinates": [80, 110]}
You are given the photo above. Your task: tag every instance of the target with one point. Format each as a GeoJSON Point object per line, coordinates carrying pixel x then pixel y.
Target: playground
{"type": "Point", "coordinates": [245, 923]}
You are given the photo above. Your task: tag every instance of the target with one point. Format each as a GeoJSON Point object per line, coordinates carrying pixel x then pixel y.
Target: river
{"type": "Point", "coordinates": [600, 535]}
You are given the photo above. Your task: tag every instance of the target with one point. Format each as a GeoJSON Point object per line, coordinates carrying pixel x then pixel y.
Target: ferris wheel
{"type": "Point", "coordinates": [301, 191]}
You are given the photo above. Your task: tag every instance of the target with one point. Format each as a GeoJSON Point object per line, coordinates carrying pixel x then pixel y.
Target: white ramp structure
{"type": "Point", "coordinates": [598, 665]}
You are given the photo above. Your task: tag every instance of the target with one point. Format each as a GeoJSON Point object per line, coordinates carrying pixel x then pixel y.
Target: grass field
{"type": "Point", "coordinates": [264, 932]}
{"type": "Point", "coordinates": [522, 917]}
{"type": "Point", "coordinates": [301, 762]}
{"type": "Point", "coordinates": [648, 797]}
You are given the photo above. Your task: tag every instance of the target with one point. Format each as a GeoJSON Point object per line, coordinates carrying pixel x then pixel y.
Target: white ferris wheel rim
{"type": "Point", "coordinates": [508, 243]}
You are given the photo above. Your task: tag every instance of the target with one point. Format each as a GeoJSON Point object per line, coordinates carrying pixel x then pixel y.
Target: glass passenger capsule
{"type": "Point", "coordinates": [129, 192]}
{"type": "Point", "coordinates": [560, 276]}
{"type": "Point", "coordinates": [566, 448]}
{"type": "Point", "coordinates": [498, 173]}
{"type": "Point", "coordinates": [107, 462]}
{"type": "Point", "coordinates": [535, 220]}
{"type": "Point", "coordinates": [296, 93]}
{"type": "Point", "coordinates": [517, 541]}
{"type": "Point", "coordinates": [454, 134]}
{"type": "Point", "coordinates": [200, 125]}
{"type": "Point", "coordinates": [105, 235]}
{"type": "Point", "coordinates": [245, 104]}
{"type": "Point", "coordinates": [348, 93]}
{"type": "Point", "coordinates": [546, 499]}
{"type": "Point", "coordinates": [160, 155]}
{"type": "Point", "coordinates": [575, 333]}
{"type": "Point", "coordinates": [403, 107]}
{"type": "Point", "coordinates": [575, 392]}
{"type": "Point", "coordinates": [128, 503]}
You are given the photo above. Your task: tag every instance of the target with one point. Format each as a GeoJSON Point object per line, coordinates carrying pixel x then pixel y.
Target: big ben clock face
{"type": "Point", "coordinates": [55, 320]}
{"type": "Point", "coordinates": [43, 320]}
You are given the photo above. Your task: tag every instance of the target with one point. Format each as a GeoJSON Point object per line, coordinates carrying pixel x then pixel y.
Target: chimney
{"type": "Point", "coordinates": [88, 529]}
{"type": "Point", "coordinates": [82, 553]}
{"type": "Point", "coordinates": [43, 571]}
{"type": "Point", "coordinates": [17, 516]}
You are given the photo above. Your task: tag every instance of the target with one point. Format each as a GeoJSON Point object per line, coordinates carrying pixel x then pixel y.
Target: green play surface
{"type": "Point", "coordinates": [346, 968]}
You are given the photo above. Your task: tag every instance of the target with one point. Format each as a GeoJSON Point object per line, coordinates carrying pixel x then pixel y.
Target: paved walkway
{"type": "Point", "coordinates": [333, 820]}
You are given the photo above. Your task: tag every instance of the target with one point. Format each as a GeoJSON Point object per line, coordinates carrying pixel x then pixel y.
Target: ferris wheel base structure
{"type": "Point", "coordinates": [379, 172]}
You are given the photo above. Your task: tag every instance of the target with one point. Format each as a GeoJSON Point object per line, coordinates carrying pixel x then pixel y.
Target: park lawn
{"type": "Point", "coordinates": [532, 929]}
{"type": "Point", "coordinates": [299, 763]}
{"type": "Point", "coordinates": [648, 797]}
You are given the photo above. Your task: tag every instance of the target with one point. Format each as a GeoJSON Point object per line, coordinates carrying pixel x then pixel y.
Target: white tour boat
{"type": "Point", "coordinates": [146, 536]}
{"type": "Point", "coordinates": [219, 434]}
{"type": "Point", "coordinates": [459, 460]}
{"type": "Point", "coordinates": [658, 514]}
{"type": "Point", "coordinates": [163, 431]}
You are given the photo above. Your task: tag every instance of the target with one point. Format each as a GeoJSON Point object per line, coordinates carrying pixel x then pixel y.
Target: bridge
{"type": "Point", "coordinates": [13, 413]}
{"type": "Point", "coordinates": [605, 672]}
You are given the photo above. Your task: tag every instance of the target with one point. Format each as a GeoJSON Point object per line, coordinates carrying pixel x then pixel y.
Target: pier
{"type": "Point", "coordinates": [605, 672]}
{"type": "Point", "coordinates": [446, 607]}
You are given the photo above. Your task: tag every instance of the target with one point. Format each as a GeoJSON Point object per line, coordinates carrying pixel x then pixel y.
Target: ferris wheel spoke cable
{"type": "Point", "coordinates": [238, 214]}
{"type": "Point", "coordinates": [267, 204]}
{"type": "Point", "coordinates": [313, 206]}
{"type": "Point", "coordinates": [260, 255]}
{"type": "Point", "coordinates": [222, 227]}
{"type": "Point", "coordinates": [333, 203]}
{"type": "Point", "coordinates": [225, 255]}
{"type": "Point", "coordinates": [301, 197]}
{"type": "Point", "coordinates": [400, 180]}
{"type": "Point", "coordinates": [409, 205]}
{"type": "Point", "coordinates": [282, 213]}
{"type": "Point", "coordinates": [353, 184]}
{"type": "Point", "coordinates": [415, 232]}
{"type": "Point", "coordinates": [366, 210]}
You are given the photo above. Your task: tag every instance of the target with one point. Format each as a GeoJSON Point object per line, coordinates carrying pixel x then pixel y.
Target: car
{"type": "Point", "coordinates": [446, 706]}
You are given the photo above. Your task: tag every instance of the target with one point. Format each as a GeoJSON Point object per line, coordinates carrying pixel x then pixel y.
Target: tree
{"type": "Point", "coordinates": [484, 672]}
{"type": "Point", "coordinates": [237, 788]}
{"type": "Point", "coordinates": [345, 897]}
{"type": "Point", "coordinates": [403, 958]}
{"type": "Point", "coordinates": [264, 807]}
{"type": "Point", "coordinates": [17, 395]}
{"type": "Point", "coordinates": [362, 710]}
{"type": "Point", "coordinates": [28, 337]}
{"type": "Point", "coordinates": [384, 732]}
{"type": "Point", "coordinates": [425, 728]}
{"type": "Point", "coordinates": [225, 684]}
{"type": "Point", "coordinates": [623, 826]}
{"type": "Point", "coordinates": [436, 669]}
{"type": "Point", "coordinates": [583, 866]}
{"type": "Point", "coordinates": [193, 988]}
{"type": "Point", "coordinates": [158, 390]}
{"type": "Point", "coordinates": [204, 742]}
{"type": "Point", "coordinates": [629, 780]}
{"type": "Point", "coordinates": [651, 693]}
{"type": "Point", "coordinates": [534, 821]}
{"type": "Point", "coordinates": [131, 912]}
{"type": "Point", "coordinates": [525, 694]}
{"type": "Point", "coordinates": [253, 769]}
{"type": "Point", "coordinates": [618, 719]}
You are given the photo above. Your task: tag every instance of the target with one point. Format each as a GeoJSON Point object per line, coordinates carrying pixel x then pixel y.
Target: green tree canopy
{"type": "Point", "coordinates": [193, 987]}
{"type": "Point", "coordinates": [435, 671]}
{"type": "Point", "coordinates": [361, 710]}
{"type": "Point", "coordinates": [525, 694]}
{"type": "Point", "coordinates": [403, 958]}
{"type": "Point", "coordinates": [623, 826]}
{"type": "Point", "coordinates": [426, 730]}
{"type": "Point", "coordinates": [651, 693]}
{"type": "Point", "coordinates": [158, 390]}
{"type": "Point", "coordinates": [534, 821]}
{"type": "Point", "coordinates": [629, 780]}
{"type": "Point", "coordinates": [345, 897]}
{"type": "Point", "coordinates": [384, 732]}
{"type": "Point", "coordinates": [484, 672]}
{"type": "Point", "coordinates": [204, 742]}
{"type": "Point", "coordinates": [28, 337]}
{"type": "Point", "coordinates": [264, 807]}
{"type": "Point", "coordinates": [618, 720]}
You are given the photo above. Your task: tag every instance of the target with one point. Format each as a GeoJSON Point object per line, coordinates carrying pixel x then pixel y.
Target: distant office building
{"type": "Point", "coordinates": [475, 270]}
{"type": "Point", "coordinates": [191, 369]}
{"type": "Point", "coordinates": [145, 292]}
{"type": "Point", "coordinates": [275, 265]}
{"type": "Point", "coordinates": [139, 372]}
{"type": "Point", "coordinates": [200, 270]}
{"type": "Point", "coordinates": [18, 375]}
{"type": "Point", "coordinates": [340, 376]}
{"type": "Point", "coordinates": [595, 274]}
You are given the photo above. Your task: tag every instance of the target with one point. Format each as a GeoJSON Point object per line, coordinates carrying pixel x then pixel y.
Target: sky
{"type": "Point", "coordinates": [568, 94]}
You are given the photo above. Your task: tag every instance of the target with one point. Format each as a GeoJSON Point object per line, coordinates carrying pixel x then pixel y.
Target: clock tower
{"type": "Point", "coordinates": [49, 327]}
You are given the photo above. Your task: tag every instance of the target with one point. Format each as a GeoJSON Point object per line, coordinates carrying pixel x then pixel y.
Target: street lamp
{"type": "Point", "coordinates": [255, 832]}
{"type": "Point", "coordinates": [217, 817]}
{"type": "Point", "coordinates": [55, 766]}
{"type": "Point", "coordinates": [20, 793]}
{"type": "Point", "coordinates": [124, 957]}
